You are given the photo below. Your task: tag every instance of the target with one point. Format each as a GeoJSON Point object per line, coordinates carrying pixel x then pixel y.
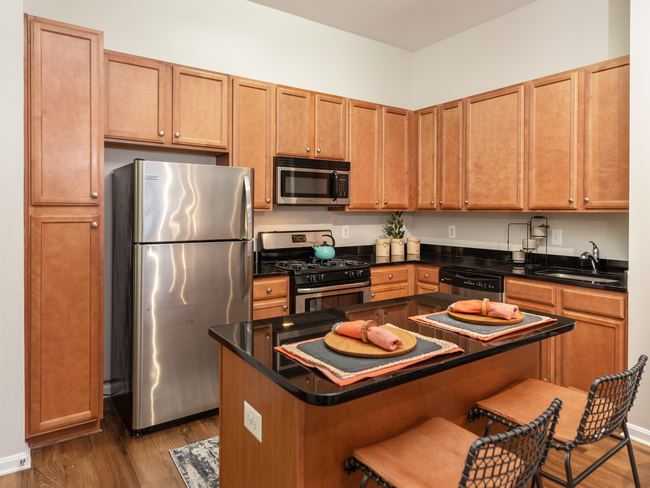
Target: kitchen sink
{"type": "Point", "coordinates": [567, 275]}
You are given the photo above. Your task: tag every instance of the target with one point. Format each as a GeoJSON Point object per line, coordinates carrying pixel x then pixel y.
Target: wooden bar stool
{"type": "Point", "coordinates": [437, 453]}
{"type": "Point", "coordinates": [608, 402]}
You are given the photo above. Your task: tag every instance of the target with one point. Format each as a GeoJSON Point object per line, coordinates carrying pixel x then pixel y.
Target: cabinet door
{"type": "Point", "coordinates": [607, 135]}
{"type": "Point", "coordinates": [365, 163]}
{"type": "Point", "coordinates": [494, 164]}
{"type": "Point", "coordinates": [369, 314]}
{"type": "Point", "coordinates": [553, 143]}
{"type": "Point", "coordinates": [275, 287]}
{"type": "Point", "coordinates": [386, 292]}
{"type": "Point", "coordinates": [427, 154]}
{"type": "Point", "coordinates": [252, 137]}
{"type": "Point", "coordinates": [396, 314]}
{"type": "Point", "coordinates": [293, 123]}
{"type": "Point", "coordinates": [265, 309]}
{"type": "Point", "coordinates": [65, 332]}
{"type": "Point", "coordinates": [330, 127]}
{"type": "Point", "coordinates": [450, 161]}
{"type": "Point", "coordinates": [135, 98]}
{"type": "Point", "coordinates": [426, 288]}
{"type": "Point", "coordinates": [395, 159]}
{"type": "Point", "coordinates": [66, 126]}
{"type": "Point", "coordinates": [200, 108]}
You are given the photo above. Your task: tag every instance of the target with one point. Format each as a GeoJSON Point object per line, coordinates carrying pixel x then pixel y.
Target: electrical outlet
{"type": "Point", "coordinates": [253, 421]}
{"type": "Point", "coordinates": [556, 237]}
{"type": "Point", "coordinates": [452, 232]}
{"type": "Point", "coordinates": [345, 232]}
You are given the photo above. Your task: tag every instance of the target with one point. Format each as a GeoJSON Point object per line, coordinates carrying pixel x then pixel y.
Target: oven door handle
{"type": "Point", "coordinates": [332, 288]}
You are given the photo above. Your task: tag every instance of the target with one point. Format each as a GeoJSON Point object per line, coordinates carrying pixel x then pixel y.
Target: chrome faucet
{"type": "Point", "coordinates": [592, 257]}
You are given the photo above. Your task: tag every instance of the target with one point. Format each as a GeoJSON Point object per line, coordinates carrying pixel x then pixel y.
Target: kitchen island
{"type": "Point", "coordinates": [310, 426]}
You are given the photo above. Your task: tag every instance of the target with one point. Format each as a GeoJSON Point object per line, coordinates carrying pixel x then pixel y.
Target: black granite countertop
{"type": "Point", "coordinates": [262, 271]}
{"type": "Point", "coordinates": [311, 386]}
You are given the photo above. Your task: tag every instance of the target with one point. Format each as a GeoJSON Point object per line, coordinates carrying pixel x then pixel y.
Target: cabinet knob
{"type": "Point", "coordinates": [372, 295]}
{"type": "Point", "coordinates": [426, 275]}
{"type": "Point", "coordinates": [308, 149]}
{"type": "Point", "coordinates": [466, 202]}
{"type": "Point", "coordinates": [431, 202]}
{"type": "Point", "coordinates": [440, 202]}
{"type": "Point", "coordinates": [268, 336]}
{"type": "Point", "coordinates": [377, 202]}
{"type": "Point", "coordinates": [376, 315]}
{"type": "Point", "coordinates": [385, 314]}
{"type": "Point", "coordinates": [95, 225]}
{"type": "Point", "coordinates": [268, 200]}
{"type": "Point", "coordinates": [586, 199]}
{"type": "Point", "coordinates": [161, 133]}
{"type": "Point", "coordinates": [385, 202]}
{"type": "Point", "coordinates": [178, 134]}
{"type": "Point", "coordinates": [94, 194]}
{"type": "Point", "coordinates": [269, 291]}
{"type": "Point", "coordinates": [318, 150]}
{"type": "Point", "coordinates": [285, 308]}
{"type": "Point", "coordinates": [570, 200]}
{"type": "Point", "coordinates": [390, 277]}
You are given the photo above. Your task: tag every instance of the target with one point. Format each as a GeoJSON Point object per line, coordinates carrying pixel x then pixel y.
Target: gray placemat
{"type": "Point", "coordinates": [351, 364]}
{"type": "Point", "coordinates": [483, 329]}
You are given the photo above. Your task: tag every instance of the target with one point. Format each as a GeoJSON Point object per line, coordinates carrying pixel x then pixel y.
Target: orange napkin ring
{"type": "Point", "coordinates": [484, 306]}
{"type": "Point", "coordinates": [364, 329]}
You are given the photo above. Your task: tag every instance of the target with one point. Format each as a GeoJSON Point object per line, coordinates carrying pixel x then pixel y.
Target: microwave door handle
{"type": "Point", "coordinates": [334, 185]}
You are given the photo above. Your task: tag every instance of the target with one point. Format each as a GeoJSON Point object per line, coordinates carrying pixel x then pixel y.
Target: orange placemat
{"type": "Point", "coordinates": [482, 333]}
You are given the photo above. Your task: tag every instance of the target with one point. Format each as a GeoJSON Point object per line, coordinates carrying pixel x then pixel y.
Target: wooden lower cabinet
{"type": "Point", "coordinates": [597, 346]}
{"type": "Point", "coordinates": [426, 279]}
{"type": "Point", "coordinates": [270, 297]}
{"type": "Point", "coordinates": [391, 282]}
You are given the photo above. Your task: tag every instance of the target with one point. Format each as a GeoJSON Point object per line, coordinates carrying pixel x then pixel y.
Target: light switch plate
{"type": "Point", "coordinates": [452, 232]}
{"type": "Point", "coordinates": [556, 237]}
{"type": "Point", "coordinates": [345, 232]}
{"type": "Point", "coordinates": [253, 421]}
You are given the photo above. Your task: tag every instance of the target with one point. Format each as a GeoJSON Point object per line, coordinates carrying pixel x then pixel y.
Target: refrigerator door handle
{"type": "Point", "coordinates": [247, 220]}
{"type": "Point", "coordinates": [246, 274]}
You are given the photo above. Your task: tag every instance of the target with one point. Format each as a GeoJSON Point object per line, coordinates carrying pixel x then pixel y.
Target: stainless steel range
{"type": "Point", "coordinates": [316, 284]}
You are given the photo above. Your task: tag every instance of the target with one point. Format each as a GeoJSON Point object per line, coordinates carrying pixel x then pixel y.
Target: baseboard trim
{"type": "Point", "coordinates": [639, 434]}
{"type": "Point", "coordinates": [16, 462]}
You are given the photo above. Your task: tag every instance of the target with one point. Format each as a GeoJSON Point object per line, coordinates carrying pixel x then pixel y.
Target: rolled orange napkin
{"type": "Point", "coordinates": [357, 329]}
{"type": "Point", "coordinates": [486, 307]}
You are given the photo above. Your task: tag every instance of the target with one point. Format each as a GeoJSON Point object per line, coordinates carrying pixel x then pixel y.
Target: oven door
{"type": "Point", "coordinates": [323, 298]}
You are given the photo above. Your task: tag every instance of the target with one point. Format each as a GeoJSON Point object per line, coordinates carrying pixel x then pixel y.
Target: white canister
{"type": "Point", "coordinates": [412, 245]}
{"type": "Point", "coordinates": [382, 247]}
{"type": "Point", "coordinates": [397, 247]}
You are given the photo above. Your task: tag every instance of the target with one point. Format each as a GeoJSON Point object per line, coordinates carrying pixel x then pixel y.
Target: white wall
{"type": "Point", "coordinates": [639, 291]}
{"type": "Point", "coordinates": [12, 360]}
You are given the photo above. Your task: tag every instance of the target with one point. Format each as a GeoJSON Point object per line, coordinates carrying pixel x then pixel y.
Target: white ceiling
{"type": "Point", "coordinates": [407, 24]}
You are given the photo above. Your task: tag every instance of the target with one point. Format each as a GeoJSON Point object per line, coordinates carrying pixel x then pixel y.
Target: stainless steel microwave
{"type": "Point", "coordinates": [310, 182]}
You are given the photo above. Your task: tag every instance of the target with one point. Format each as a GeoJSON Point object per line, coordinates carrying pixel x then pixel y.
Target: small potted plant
{"type": "Point", "coordinates": [395, 231]}
{"type": "Point", "coordinates": [540, 232]}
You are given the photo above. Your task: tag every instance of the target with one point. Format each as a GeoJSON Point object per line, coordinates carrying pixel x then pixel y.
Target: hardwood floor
{"type": "Point", "coordinates": [113, 459]}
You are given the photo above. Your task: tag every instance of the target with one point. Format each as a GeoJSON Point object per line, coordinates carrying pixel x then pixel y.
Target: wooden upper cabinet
{"type": "Point", "coordinates": [450, 161]}
{"type": "Point", "coordinates": [553, 142]}
{"type": "Point", "coordinates": [200, 108]}
{"type": "Point", "coordinates": [494, 163]}
{"type": "Point", "coordinates": [607, 132]}
{"type": "Point", "coordinates": [252, 137]}
{"type": "Point", "coordinates": [65, 333]}
{"type": "Point", "coordinates": [427, 154]}
{"type": "Point", "coordinates": [293, 123]}
{"type": "Point", "coordinates": [330, 128]}
{"type": "Point", "coordinates": [66, 124]}
{"type": "Point", "coordinates": [395, 159]}
{"type": "Point", "coordinates": [135, 98]}
{"type": "Point", "coordinates": [365, 156]}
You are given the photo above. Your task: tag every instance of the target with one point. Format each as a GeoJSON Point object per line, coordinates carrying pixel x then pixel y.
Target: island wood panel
{"type": "Point", "coordinates": [65, 110]}
{"type": "Point", "coordinates": [262, 349]}
{"type": "Point", "coordinates": [330, 129]}
{"type": "Point", "coordinates": [494, 161]}
{"type": "Point", "coordinates": [553, 145]}
{"type": "Point", "coordinates": [64, 377]}
{"type": "Point", "coordinates": [395, 159]}
{"type": "Point", "coordinates": [450, 161]}
{"type": "Point", "coordinates": [135, 98]}
{"type": "Point", "coordinates": [200, 108]}
{"type": "Point", "coordinates": [293, 123]}
{"type": "Point", "coordinates": [365, 156]}
{"type": "Point", "coordinates": [252, 135]}
{"type": "Point", "coordinates": [427, 155]}
{"type": "Point", "coordinates": [607, 134]}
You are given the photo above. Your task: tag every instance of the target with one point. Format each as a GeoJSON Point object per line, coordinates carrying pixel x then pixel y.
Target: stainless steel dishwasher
{"type": "Point", "coordinates": [471, 284]}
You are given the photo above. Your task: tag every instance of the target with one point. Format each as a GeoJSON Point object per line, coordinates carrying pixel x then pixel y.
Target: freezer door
{"type": "Point", "coordinates": [177, 202]}
{"type": "Point", "coordinates": [181, 290]}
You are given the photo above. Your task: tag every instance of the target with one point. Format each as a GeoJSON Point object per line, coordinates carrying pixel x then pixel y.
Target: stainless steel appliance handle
{"type": "Point", "coordinates": [248, 210]}
{"type": "Point", "coordinates": [332, 288]}
{"type": "Point", "coordinates": [246, 275]}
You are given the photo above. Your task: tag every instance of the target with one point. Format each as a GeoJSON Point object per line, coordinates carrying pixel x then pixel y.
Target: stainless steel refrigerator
{"type": "Point", "coordinates": [182, 262]}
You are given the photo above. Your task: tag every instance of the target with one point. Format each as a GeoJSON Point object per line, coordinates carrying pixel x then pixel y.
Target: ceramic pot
{"type": "Point", "coordinates": [528, 244]}
{"type": "Point", "coordinates": [397, 247]}
{"type": "Point", "coordinates": [538, 233]}
{"type": "Point", "coordinates": [382, 247]}
{"type": "Point", "coordinates": [412, 245]}
{"type": "Point", "coordinates": [518, 256]}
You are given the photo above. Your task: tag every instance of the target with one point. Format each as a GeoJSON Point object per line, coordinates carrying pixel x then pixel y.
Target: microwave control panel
{"type": "Point", "coordinates": [342, 190]}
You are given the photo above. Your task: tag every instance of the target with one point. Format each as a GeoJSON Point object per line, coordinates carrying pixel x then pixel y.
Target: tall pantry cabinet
{"type": "Point", "coordinates": [64, 230]}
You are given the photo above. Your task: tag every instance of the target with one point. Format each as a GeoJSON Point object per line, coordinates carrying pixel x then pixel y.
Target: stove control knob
{"type": "Point", "coordinates": [322, 277]}
{"type": "Point", "coordinates": [319, 277]}
{"type": "Point", "coordinates": [358, 274]}
{"type": "Point", "coordinates": [311, 279]}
